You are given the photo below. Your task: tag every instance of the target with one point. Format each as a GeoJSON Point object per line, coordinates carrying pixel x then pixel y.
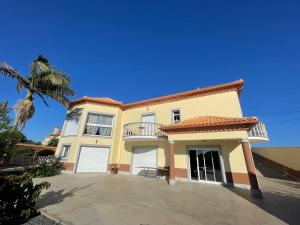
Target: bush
{"type": "Point", "coordinates": [53, 142]}
{"type": "Point", "coordinates": [47, 169]}
{"type": "Point", "coordinates": [21, 151]}
{"type": "Point", "coordinates": [18, 197]}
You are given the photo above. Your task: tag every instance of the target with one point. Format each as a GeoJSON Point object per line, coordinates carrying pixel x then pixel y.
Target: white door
{"type": "Point", "coordinates": [93, 159]}
{"type": "Point", "coordinates": [144, 160]}
{"type": "Point", "coordinates": [148, 125]}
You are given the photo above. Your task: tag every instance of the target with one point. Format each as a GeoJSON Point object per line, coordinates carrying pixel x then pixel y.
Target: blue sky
{"type": "Point", "coordinates": [154, 48]}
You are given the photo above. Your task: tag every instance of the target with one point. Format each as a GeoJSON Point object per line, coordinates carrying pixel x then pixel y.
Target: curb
{"type": "Point", "coordinates": [55, 218]}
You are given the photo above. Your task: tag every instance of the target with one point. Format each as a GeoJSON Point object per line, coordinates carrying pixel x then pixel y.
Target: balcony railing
{"type": "Point", "coordinates": [142, 130]}
{"type": "Point", "coordinates": [258, 132]}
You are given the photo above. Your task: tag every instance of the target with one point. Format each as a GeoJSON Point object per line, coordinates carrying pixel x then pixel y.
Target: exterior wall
{"type": "Point", "coordinates": [231, 150]}
{"type": "Point", "coordinates": [80, 139]}
{"type": "Point", "coordinates": [223, 104]}
{"type": "Point", "coordinates": [288, 158]}
{"type": "Point", "coordinates": [162, 152]}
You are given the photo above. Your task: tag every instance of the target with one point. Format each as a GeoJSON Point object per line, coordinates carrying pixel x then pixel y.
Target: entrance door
{"type": "Point", "coordinates": [148, 125]}
{"type": "Point", "coordinates": [205, 165]}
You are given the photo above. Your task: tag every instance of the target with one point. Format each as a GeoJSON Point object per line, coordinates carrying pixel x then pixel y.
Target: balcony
{"type": "Point", "coordinates": [258, 133]}
{"type": "Point", "coordinates": [142, 131]}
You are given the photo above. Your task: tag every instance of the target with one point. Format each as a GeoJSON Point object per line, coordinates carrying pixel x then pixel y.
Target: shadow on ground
{"type": "Point", "coordinates": [281, 193]}
{"type": "Point", "coordinates": [55, 197]}
{"type": "Point", "coordinates": [282, 206]}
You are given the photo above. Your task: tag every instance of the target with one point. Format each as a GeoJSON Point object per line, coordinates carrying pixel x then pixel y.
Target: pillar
{"type": "Point", "coordinates": [172, 166]}
{"type": "Point", "coordinates": [255, 191]}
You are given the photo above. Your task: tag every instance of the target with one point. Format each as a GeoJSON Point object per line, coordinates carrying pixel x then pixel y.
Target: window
{"type": "Point", "coordinates": [175, 116]}
{"type": "Point", "coordinates": [64, 153]}
{"type": "Point", "coordinates": [72, 123]}
{"type": "Point", "coordinates": [99, 124]}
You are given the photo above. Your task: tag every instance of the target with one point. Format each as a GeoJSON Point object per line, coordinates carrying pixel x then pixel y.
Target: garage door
{"type": "Point", "coordinates": [144, 158]}
{"type": "Point", "coordinates": [93, 159]}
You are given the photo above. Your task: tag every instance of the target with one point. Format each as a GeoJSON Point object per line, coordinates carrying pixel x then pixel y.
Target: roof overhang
{"type": "Point", "coordinates": [205, 124]}
{"type": "Point", "coordinates": [233, 86]}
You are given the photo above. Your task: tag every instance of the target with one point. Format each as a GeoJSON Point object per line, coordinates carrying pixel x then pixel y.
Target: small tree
{"type": "Point", "coordinates": [9, 135]}
{"type": "Point", "coordinates": [53, 142]}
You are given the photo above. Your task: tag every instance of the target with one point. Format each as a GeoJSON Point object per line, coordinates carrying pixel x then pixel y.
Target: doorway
{"type": "Point", "coordinates": [205, 165]}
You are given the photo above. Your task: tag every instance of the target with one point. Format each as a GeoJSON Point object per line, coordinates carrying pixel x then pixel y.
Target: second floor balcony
{"type": "Point", "coordinates": [258, 133]}
{"type": "Point", "coordinates": [143, 131]}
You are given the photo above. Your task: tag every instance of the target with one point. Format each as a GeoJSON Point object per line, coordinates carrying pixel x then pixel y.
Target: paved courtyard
{"type": "Point", "coordinates": [118, 199]}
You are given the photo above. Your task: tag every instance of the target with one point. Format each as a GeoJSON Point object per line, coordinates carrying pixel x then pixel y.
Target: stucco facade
{"type": "Point", "coordinates": [220, 101]}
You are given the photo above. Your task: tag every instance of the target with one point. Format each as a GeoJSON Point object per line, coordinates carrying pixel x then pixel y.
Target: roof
{"type": "Point", "coordinates": [210, 123]}
{"type": "Point", "coordinates": [233, 86]}
{"type": "Point", "coordinates": [101, 101]}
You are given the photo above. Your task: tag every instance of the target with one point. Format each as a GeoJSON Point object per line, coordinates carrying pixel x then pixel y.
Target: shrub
{"type": "Point", "coordinates": [47, 169]}
{"type": "Point", "coordinates": [18, 197]}
{"type": "Point", "coordinates": [21, 151]}
{"type": "Point", "coordinates": [53, 142]}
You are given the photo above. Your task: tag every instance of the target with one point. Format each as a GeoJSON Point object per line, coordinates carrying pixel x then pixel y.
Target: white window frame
{"type": "Point", "coordinates": [97, 125]}
{"type": "Point", "coordinates": [79, 113]}
{"type": "Point", "coordinates": [173, 114]}
{"type": "Point", "coordinates": [62, 152]}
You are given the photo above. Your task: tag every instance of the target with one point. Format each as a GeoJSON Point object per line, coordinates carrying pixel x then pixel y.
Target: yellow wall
{"type": "Point", "coordinates": [81, 139]}
{"type": "Point", "coordinates": [231, 151]}
{"type": "Point", "coordinates": [224, 104]}
{"type": "Point", "coordinates": [226, 135]}
{"type": "Point", "coordinates": [161, 145]}
{"type": "Point", "coordinates": [287, 156]}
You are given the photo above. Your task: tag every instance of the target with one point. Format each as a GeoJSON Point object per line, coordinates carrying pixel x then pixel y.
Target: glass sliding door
{"type": "Point", "coordinates": [205, 165]}
{"type": "Point", "coordinates": [193, 165]}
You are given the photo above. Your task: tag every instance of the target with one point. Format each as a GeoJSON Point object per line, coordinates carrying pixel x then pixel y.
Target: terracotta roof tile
{"type": "Point", "coordinates": [104, 101]}
{"type": "Point", "coordinates": [212, 122]}
{"type": "Point", "coordinates": [233, 86]}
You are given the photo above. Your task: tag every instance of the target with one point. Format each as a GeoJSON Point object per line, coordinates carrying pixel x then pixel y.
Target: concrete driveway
{"type": "Point", "coordinates": [119, 199]}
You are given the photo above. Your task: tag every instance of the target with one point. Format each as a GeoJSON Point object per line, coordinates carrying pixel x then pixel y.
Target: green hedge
{"type": "Point", "coordinates": [47, 169]}
{"type": "Point", "coordinates": [18, 197]}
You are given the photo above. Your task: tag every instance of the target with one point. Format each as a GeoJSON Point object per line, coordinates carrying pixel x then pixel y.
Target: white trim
{"type": "Point", "coordinates": [245, 140]}
{"type": "Point", "coordinates": [62, 150]}
{"type": "Point", "coordinates": [172, 115]}
{"type": "Point", "coordinates": [144, 138]}
{"type": "Point", "coordinates": [80, 113]}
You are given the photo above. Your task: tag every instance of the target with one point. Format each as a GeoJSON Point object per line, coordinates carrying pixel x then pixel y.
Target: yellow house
{"type": "Point", "coordinates": [196, 136]}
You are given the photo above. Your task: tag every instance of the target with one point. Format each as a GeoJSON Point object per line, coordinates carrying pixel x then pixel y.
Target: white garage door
{"type": "Point", "coordinates": [93, 159]}
{"type": "Point", "coordinates": [144, 158]}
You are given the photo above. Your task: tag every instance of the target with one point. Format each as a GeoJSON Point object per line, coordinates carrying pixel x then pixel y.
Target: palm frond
{"type": "Point", "coordinates": [19, 86]}
{"type": "Point", "coordinates": [57, 97]}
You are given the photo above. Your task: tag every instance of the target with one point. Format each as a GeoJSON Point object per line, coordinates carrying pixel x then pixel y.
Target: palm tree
{"type": "Point", "coordinates": [44, 81]}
